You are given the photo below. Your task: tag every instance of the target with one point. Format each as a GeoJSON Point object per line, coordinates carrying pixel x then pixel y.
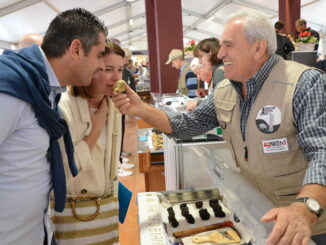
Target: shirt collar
{"type": "Point", "coordinates": [53, 80]}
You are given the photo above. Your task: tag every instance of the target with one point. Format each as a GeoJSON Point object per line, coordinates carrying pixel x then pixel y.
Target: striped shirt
{"type": "Point", "coordinates": [192, 84]}
{"type": "Point", "coordinates": [309, 103]}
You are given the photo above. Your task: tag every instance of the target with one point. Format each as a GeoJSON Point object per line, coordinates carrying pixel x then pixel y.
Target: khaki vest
{"type": "Point", "coordinates": [278, 174]}
{"type": "Point", "coordinates": [182, 86]}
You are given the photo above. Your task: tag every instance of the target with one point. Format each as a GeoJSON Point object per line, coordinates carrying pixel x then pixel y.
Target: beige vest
{"type": "Point", "coordinates": [279, 173]}
{"type": "Point", "coordinates": [182, 86]}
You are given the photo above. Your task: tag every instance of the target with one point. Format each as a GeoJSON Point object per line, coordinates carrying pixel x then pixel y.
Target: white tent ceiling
{"type": "Point", "coordinates": [126, 19]}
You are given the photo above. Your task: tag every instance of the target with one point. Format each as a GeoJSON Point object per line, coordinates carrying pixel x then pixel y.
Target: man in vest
{"type": "Point", "coordinates": [273, 117]}
{"type": "Point", "coordinates": [187, 83]}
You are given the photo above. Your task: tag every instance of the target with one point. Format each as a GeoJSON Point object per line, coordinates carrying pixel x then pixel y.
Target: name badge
{"type": "Point", "coordinates": [274, 146]}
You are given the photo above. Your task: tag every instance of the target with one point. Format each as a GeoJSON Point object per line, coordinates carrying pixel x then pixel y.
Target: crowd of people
{"type": "Point", "coordinates": [62, 146]}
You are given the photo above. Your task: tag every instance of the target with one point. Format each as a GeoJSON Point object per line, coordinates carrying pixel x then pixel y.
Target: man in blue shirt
{"type": "Point", "coordinates": [30, 158]}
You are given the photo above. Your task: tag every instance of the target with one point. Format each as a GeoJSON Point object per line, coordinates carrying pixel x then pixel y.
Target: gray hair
{"type": "Point", "coordinates": [257, 26]}
{"type": "Point", "coordinates": [195, 64]}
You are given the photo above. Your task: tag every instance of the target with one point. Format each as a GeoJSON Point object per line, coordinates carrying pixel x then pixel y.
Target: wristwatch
{"type": "Point", "coordinates": [312, 205]}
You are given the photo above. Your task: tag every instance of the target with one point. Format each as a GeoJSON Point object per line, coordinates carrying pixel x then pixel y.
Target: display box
{"type": "Point", "coordinates": [241, 203]}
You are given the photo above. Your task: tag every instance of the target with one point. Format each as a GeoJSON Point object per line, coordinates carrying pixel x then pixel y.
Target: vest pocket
{"type": "Point", "coordinates": [285, 197]}
{"type": "Point", "coordinates": [224, 110]}
{"type": "Point", "coordinates": [280, 164]}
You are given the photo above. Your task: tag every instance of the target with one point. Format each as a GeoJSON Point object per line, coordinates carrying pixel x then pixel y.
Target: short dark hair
{"type": "Point", "coordinates": [82, 91]}
{"type": "Point", "coordinates": [279, 25]}
{"type": "Point", "coordinates": [69, 25]}
{"type": "Point", "coordinates": [209, 45]}
{"type": "Point", "coordinates": [301, 22]}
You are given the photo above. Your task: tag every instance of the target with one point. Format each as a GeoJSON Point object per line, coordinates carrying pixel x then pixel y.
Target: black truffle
{"type": "Point", "coordinates": [185, 212]}
{"type": "Point", "coordinates": [199, 204]}
{"type": "Point", "coordinates": [174, 223]}
{"type": "Point", "coordinates": [170, 210]}
{"type": "Point", "coordinates": [204, 215]}
{"type": "Point", "coordinates": [171, 216]}
{"type": "Point", "coordinates": [213, 202]}
{"type": "Point", "coordinates": [182, 205]}
{"type": "Point", "coordinates": [219, 214]}
{"type": "Point", "coordinates": [190, 219]}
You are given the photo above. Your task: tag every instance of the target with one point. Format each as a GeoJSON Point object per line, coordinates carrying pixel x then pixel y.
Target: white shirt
{"type": "Point", "coordinates": [25, 180]}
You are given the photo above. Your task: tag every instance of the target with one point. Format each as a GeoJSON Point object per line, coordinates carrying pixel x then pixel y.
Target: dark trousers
{"type": "Point", "coordinates": [319, 239]}
{"type": "Point", "coordinates": [123, 117]}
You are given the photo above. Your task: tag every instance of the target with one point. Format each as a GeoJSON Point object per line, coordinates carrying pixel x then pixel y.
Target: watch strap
{"type": "Point", "coordinates": [304, 200]}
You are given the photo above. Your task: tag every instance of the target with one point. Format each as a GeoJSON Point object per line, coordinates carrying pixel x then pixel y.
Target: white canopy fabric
{"type": "Point", "coordinates": [126, 19]}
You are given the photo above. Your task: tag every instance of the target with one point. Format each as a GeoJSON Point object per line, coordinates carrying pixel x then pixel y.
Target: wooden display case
{"type": "Point", "coordinates": [151, 162]}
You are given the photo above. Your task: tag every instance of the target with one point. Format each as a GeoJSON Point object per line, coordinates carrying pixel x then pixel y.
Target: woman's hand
{"type": "Point", "coordinates": [100, 116]}
{"type": "Point", "coordinates": [98, 119]}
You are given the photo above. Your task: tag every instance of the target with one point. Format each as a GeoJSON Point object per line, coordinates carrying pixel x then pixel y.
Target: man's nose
{"type": "Point", "coordinates": [221, 53]}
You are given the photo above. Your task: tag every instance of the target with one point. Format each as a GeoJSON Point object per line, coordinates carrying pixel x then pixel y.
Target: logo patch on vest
{"type": "Point", "coordinates": [274, 146]}
{"type": "Point", "coordinates": [268, 119]}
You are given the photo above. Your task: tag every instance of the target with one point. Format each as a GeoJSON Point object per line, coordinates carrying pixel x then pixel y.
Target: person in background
{"type": "Point", "coordinates": [128, 77]}
{"type": "Point", "coordinates": [187, 82]}
{"type": "Point", "coordinates": [290, 36]}
{"type": "Point", "coordinates": [303, 31]}
{"type": "Point", "coordinates": [136, 71]}
{"type": "Point", "coordinates": [203, 75]}
{"type": "Point", "coordinates": [95, 126]}
{"type": "Point", "coordinates": [128, 74]}
{"type": "Point", "coordinates": [198, 69]}
{"type": "Point", "coordinates": [30, 87]}
{"type": "Point", "coordinates": [144, 71]}
{"type": "Point", "coordinates": [272, 113]}
{"type": "Point", "coordinates": [206, 51]}
{"type": "Point", "coordinates": [30, 39]}
{"type": "Point", "coordinates": [284, 45]}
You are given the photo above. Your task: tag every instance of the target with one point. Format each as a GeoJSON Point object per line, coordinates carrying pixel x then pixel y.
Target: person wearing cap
{"type": "Point", "coordinates": [187, 83]}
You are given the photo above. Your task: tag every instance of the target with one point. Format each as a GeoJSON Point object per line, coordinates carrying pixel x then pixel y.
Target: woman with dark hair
{"type": "Point", "coordinates": [95, 126]}
{"type": "Point", "coordinates": [206, 51]}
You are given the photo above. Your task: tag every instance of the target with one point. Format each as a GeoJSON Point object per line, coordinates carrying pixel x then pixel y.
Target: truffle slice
{"type": "Point", "coordinates": [120, 86]}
